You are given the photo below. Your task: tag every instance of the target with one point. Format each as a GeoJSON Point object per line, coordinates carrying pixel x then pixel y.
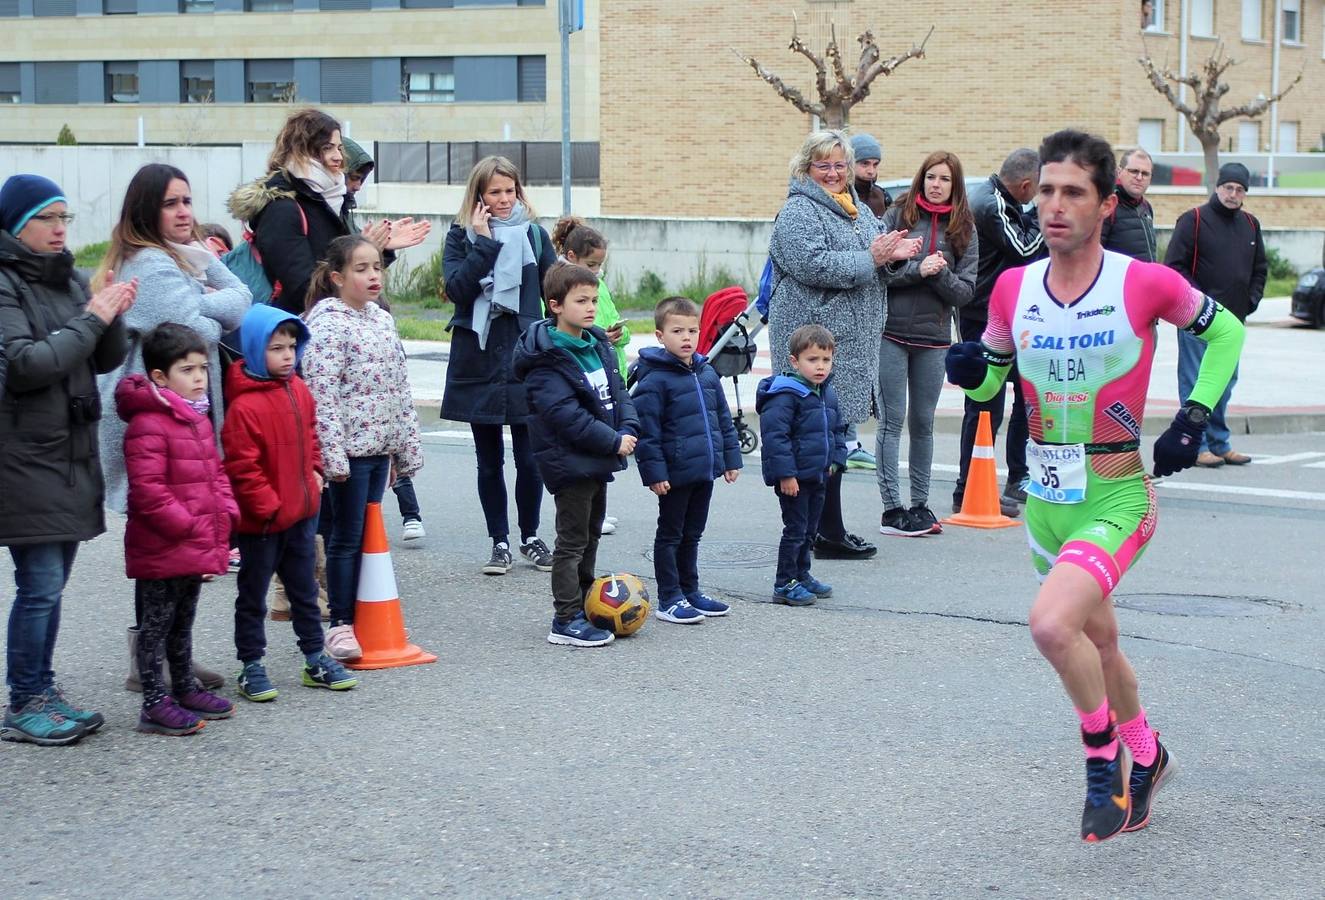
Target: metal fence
{"type": "Point", "coordinates": [449, 162]}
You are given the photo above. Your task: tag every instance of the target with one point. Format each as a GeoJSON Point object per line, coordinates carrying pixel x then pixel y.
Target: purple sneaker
{"type": "Point", "coordinates": [166, 717]}
{"type": "Point", "coordinates": [205, 704]}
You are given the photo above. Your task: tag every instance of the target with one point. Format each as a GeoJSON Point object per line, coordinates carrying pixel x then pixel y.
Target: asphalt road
{"type": "Point", "coordinates": [903, 739]}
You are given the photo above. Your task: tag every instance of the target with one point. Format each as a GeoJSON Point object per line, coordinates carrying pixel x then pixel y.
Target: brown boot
{"type": "Point", "coordinates": [210, 680]}
{"type": "Point", "coordinates": [277, 602]}
{"type": "Point", "coordinates": [1208, 460]}
{"type": "Point", "coordinates": [1234, 458]}
{"type": "Point", "coordinates": [320, 573]}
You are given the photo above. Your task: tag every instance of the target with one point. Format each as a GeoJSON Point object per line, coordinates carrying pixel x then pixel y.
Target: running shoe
{"type": "Point", "coordinates": [342, 644]}
{"type": "Point", "coordinates": [816, 587]}
{"type": "Point", "coordinates": [233, 565]}
{"type": "Point", "coordinates": [923, 515]}
{"type": "Point", "coordinates": [793, 593]}
{"type": "Point", "coordinates": [56, 701]}
{"type": "Point", "coordinates": [607, 527]}
{"type": "Point", "coordinates": [860, 458]}
{"type": "Point", "coordinates": [1108, 802]}
{"type": "Point", "coordinates": [254, 684]}
{"type": "Point", "coordinates": [38, 723]}
{"type": "Point", "coordinates": [205, 705]}
{"type": "Point", "coordinates": [1146, 782]}
{"type": "Point", "coordinates": [328, 673]}
{"type": "Point", "coordinates": [412, 531]}
{"type": "Point", "coordinates": [707, 606]}
{"type": "Point", "coordinates": [165, 716]}
{"type": "Point", "coordinates": [500, 562]}
{"type": "Point", "coordinates": [898, 522]}
{"type": "Point", "coordinates": [1016, 492]}
{"type": "Point", "coordinates": [678, 612]}
{"type": "Point", "coordinates": [537, 553]}
{"type": "Point", "coordinates": [578, 633]}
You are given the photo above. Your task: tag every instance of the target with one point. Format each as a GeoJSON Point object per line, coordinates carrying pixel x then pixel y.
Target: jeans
{"type": "Point", "coordinates": [406, 499]}
{"type": "Point", "coordinates": [1217, 436]}
{"type": "Point", "coordinates": [800, 522]}
{"type": "Point", "coordinates": [1018, 429]}
{"type": "Point", "coordinates": [165, 629]}
{"type": "Point", "coordinates": [349, 501]}
{"type": "Point", "coordinates": [682, 514]}
{"type": "Point", "coordinates": [40, 574]}
{"type": "Point", "coordinates": [491, 450]}
{"type": "Point", "coordinates": [919, 371]}
{"type": "Point", "coordinates": [580, 511]}
{"type": "Point", "coordinates": [292, 554]}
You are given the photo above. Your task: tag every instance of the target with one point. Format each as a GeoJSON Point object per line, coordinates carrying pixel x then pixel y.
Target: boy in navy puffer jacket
{"type": "Point", "coordinates": [686, 441]}
{"type": "Point", "coordinates": [804, 441]}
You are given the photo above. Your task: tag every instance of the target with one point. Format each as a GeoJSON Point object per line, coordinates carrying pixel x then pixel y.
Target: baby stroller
{"type": "Point", "coordinates": [728, 324]}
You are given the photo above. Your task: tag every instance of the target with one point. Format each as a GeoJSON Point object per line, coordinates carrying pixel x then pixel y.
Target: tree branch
{"type": "Point", "coordinates": [788, 93]}
{"type": "Point", "coordinates": [876, 67]}
{"type": "Point", "coordinates": [1159, 80]}
{"type": "Point", "coordinates": [835, 56]}
{"type": "Point", "coordinates": [1258, 106]}
{"type": "Point", "coordinates": [798, 46]}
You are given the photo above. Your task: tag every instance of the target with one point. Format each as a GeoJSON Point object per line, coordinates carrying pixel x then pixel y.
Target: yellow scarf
{"type": "Point", "coordinates": [844, 200]}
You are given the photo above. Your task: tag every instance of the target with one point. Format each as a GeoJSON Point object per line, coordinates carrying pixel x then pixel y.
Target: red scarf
{"type": "Point", "coordinates": [935, 210]}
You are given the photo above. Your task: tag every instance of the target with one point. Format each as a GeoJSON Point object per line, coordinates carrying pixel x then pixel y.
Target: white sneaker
{"type": "Point", "coordinates": [608, 527]}
{"type": "Point", "coordinates": [610, 520]}
{"type": "Point", "coordinates": [413, 531]}
{"type": "Point", "coordinates": [342, 644]}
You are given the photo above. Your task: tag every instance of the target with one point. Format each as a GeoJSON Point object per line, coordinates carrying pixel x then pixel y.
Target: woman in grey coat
{"type": "Point", "coordinates": [922, 294]}
{"type": "Point", "coordinates": [826, 259]}
{"type": "Point", "coordinates": [158, 241]}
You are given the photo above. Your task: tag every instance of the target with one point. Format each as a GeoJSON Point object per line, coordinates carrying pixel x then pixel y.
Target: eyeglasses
{"type": "Point", "coordinates": [1138, 173]}
{"type": "Point", "coordinates": [52, 218]}
{"type": "Point", "coordinates": [824, 168]}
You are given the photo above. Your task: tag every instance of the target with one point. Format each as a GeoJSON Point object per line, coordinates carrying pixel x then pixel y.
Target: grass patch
{"type": "Point", "coordinates": [412, 329]}
{"type": "Point", "coordinates": [90, 257]}
{"type": "Point", "coordinates": [422, 285]}
{"type": "Point", "coordinates": [1280, 287]}
{"type": "Point", "coordinates": [650, 288]}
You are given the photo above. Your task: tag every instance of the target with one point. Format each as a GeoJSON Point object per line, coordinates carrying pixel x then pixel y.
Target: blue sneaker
{"type": "Point", "coordinates": [578, 633]}
{"type": "Point", "coordinates": [328, 673]}
{"type": "Point", "coordinates": [860, 458]}
{"type": "Point", "coordinates": [39, 723]}
{"type": "Point", "coordinates": [816, 587]}
{"type": "Point", "coordinates": [56, 701]}
{"type": "Point", "coordinates": [679, 611]}
{"type": "Point", "coordinates": [254, 684]}
{"type": "Point", "coordinates": [707, 606]}
{"type": "Point", "coordinates": [793, 593]}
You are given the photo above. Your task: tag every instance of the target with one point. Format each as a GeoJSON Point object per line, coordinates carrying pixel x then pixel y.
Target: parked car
{"type": "Point", "coordinates": [1309, 298]}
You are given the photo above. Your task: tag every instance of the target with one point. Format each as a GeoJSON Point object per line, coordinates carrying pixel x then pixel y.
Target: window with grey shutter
{"type": "Point", "coordinates": [269, 5]}
{"type": "Point", "coordinates": [332, 5]}
{"type": "Point", "coordinates": [429, 79]}
{"type": "Point", "coordinates": [120, 7]}
{"type": "Point", "coordinates": [8, 9]}
{"type": "Point", "coordinates": [56, 82]}
{"type": "Point", "coordinates": [347, 81]}
{"type": "Point", "coordinates": [427, 4]}
{"type": "Point", "coordinates": [269, 81]}
{"type": "Point", "coordinates": [197, 6]}
{"type": "Point", "coordinates": [531, 75]}
{"type": "Point", "coordinates": [198, 78]}
{"type": "Point", "coordinates": [121, 82]}
{"type": "Point", "coordinates": [10, 91]}
{"type": "Point", "coordinates": [42, 8]}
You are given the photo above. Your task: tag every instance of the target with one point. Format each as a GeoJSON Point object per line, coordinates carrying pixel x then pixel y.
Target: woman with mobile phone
{"type": "Point", "coordinates": [494, 261]}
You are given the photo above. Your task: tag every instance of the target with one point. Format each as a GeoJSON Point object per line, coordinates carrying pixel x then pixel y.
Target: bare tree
{"type": "Point", "coordinates": [838, 91]}
{"type": "Point", "coordinates": [1203, 114]}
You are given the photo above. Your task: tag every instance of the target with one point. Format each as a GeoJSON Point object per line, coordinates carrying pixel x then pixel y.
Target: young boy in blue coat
{"type": "Point", "coordinates": [686, 441]}
{"type": "Point", "coordinates": [582, 428]}
{"type": "Point", "coordinates": [803, 443]}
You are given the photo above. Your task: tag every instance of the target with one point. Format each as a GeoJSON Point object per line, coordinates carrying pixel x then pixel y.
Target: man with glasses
{"type": "Point", "coordinates": [1218, 249]}
{"type": "Point", "coordinates": [1130, 228]}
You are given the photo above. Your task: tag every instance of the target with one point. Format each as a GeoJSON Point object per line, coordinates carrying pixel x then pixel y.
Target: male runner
{"type": "Point", "coordinates": [1081, 328]}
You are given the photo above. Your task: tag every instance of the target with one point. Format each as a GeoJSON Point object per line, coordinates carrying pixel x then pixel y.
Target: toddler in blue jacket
{"type": "Point", "coordinates": [804, 441]}
{"type": "Point", "coordinates": [686, 441]}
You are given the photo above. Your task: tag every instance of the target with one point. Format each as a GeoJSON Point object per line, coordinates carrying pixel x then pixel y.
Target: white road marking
{"type": "Point", "coordinates": [1289, 458]}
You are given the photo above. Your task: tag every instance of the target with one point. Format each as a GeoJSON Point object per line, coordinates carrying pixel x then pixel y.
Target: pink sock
{"type": "Point", "coordinates": [1138, 737]}
{"type": "Point", "coordinates": [1097, 723]}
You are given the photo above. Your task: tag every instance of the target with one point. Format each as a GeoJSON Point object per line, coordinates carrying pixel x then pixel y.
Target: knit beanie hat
{"type": "Point", "coordinates": [864, 146]}
{"type": "Point", "coordinates": [22, 197]}
{"type": "Point", "coordinates": [1235, 172]}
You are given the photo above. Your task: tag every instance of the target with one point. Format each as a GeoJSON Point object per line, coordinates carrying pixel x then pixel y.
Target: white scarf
{"type": "Point", "coordinates": [316, 176]}
{"type": "Point", "coordinates": [501, 287]}
{"type": "Point", "coordinates": [195, 259]}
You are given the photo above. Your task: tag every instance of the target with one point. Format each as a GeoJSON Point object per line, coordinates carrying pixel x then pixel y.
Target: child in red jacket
{"type": "Point", "coordinates": [275, 466]}
{"type": "Point", "coordinates": [181, 513]}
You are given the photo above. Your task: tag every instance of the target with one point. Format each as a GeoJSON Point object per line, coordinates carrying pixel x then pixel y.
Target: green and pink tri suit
{"type": "Point", "coordinates": [1085, 368]}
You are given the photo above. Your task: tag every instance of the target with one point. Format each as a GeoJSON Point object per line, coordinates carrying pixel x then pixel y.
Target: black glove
{"type": "Point", "coordinates": [1177, 448]}
{"type": "Point", "coordinates": [966, 364]}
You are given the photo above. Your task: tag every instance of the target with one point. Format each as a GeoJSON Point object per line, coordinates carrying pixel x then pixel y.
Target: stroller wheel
{"type": "Point", "coordinates": [749, 440]}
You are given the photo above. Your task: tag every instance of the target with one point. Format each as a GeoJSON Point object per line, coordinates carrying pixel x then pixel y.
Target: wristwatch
{"type": "Point", "coordinates": [1195, 414]}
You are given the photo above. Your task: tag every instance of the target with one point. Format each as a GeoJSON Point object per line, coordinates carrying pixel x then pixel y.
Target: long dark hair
{"type": "Point", "coordinates": [339, 253]}
{"type": "Point", "coordinates": [140, 219]}
{"type": "Point", "coordinates": [961, 224]}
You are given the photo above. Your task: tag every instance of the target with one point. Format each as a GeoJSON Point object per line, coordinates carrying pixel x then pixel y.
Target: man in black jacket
{"type": "Point", "coordinates": [1130, 228]}
{"type": "Point", "coordinates": [1008, 237]}
{"type": "Point", "coordinates": [1218, 248]}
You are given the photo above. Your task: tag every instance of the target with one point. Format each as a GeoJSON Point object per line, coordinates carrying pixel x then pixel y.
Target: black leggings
{"type": "Point", "coordinates": [168, 607]}
{"type": "Point", "coordinates": [490, 450]}
{"type": "Point", "coordinates": [831, 523]}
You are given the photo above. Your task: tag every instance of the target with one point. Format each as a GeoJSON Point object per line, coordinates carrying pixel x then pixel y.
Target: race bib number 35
{"type": "Point", "coordinates": [1058, 472]}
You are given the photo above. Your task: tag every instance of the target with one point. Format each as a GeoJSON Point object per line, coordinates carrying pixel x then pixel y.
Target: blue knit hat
{"type": "Point", "coordinates": [864, 146]}
{"type": "Point", "coordinates": [22, 197]}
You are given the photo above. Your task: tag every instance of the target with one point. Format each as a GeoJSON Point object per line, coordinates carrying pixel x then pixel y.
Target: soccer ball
{"type": "Point", "coordinates": [619, 603]}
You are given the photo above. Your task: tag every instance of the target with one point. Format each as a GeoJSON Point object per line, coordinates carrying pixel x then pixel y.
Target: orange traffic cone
{"type": "Point", "coordinates": [379, 625]}
{"type": "Point", "coordinates": [980, 507]}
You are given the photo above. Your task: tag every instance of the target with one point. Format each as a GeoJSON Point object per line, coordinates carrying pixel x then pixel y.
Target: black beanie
{"type": "Point", "coordinates": [1235, 172]}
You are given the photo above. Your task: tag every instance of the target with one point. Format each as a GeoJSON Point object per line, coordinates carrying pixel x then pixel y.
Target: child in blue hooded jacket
{"type": "Point", "coordinates": [687, 440]}
{"type": "Point", "coordinates": [804, 441]}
